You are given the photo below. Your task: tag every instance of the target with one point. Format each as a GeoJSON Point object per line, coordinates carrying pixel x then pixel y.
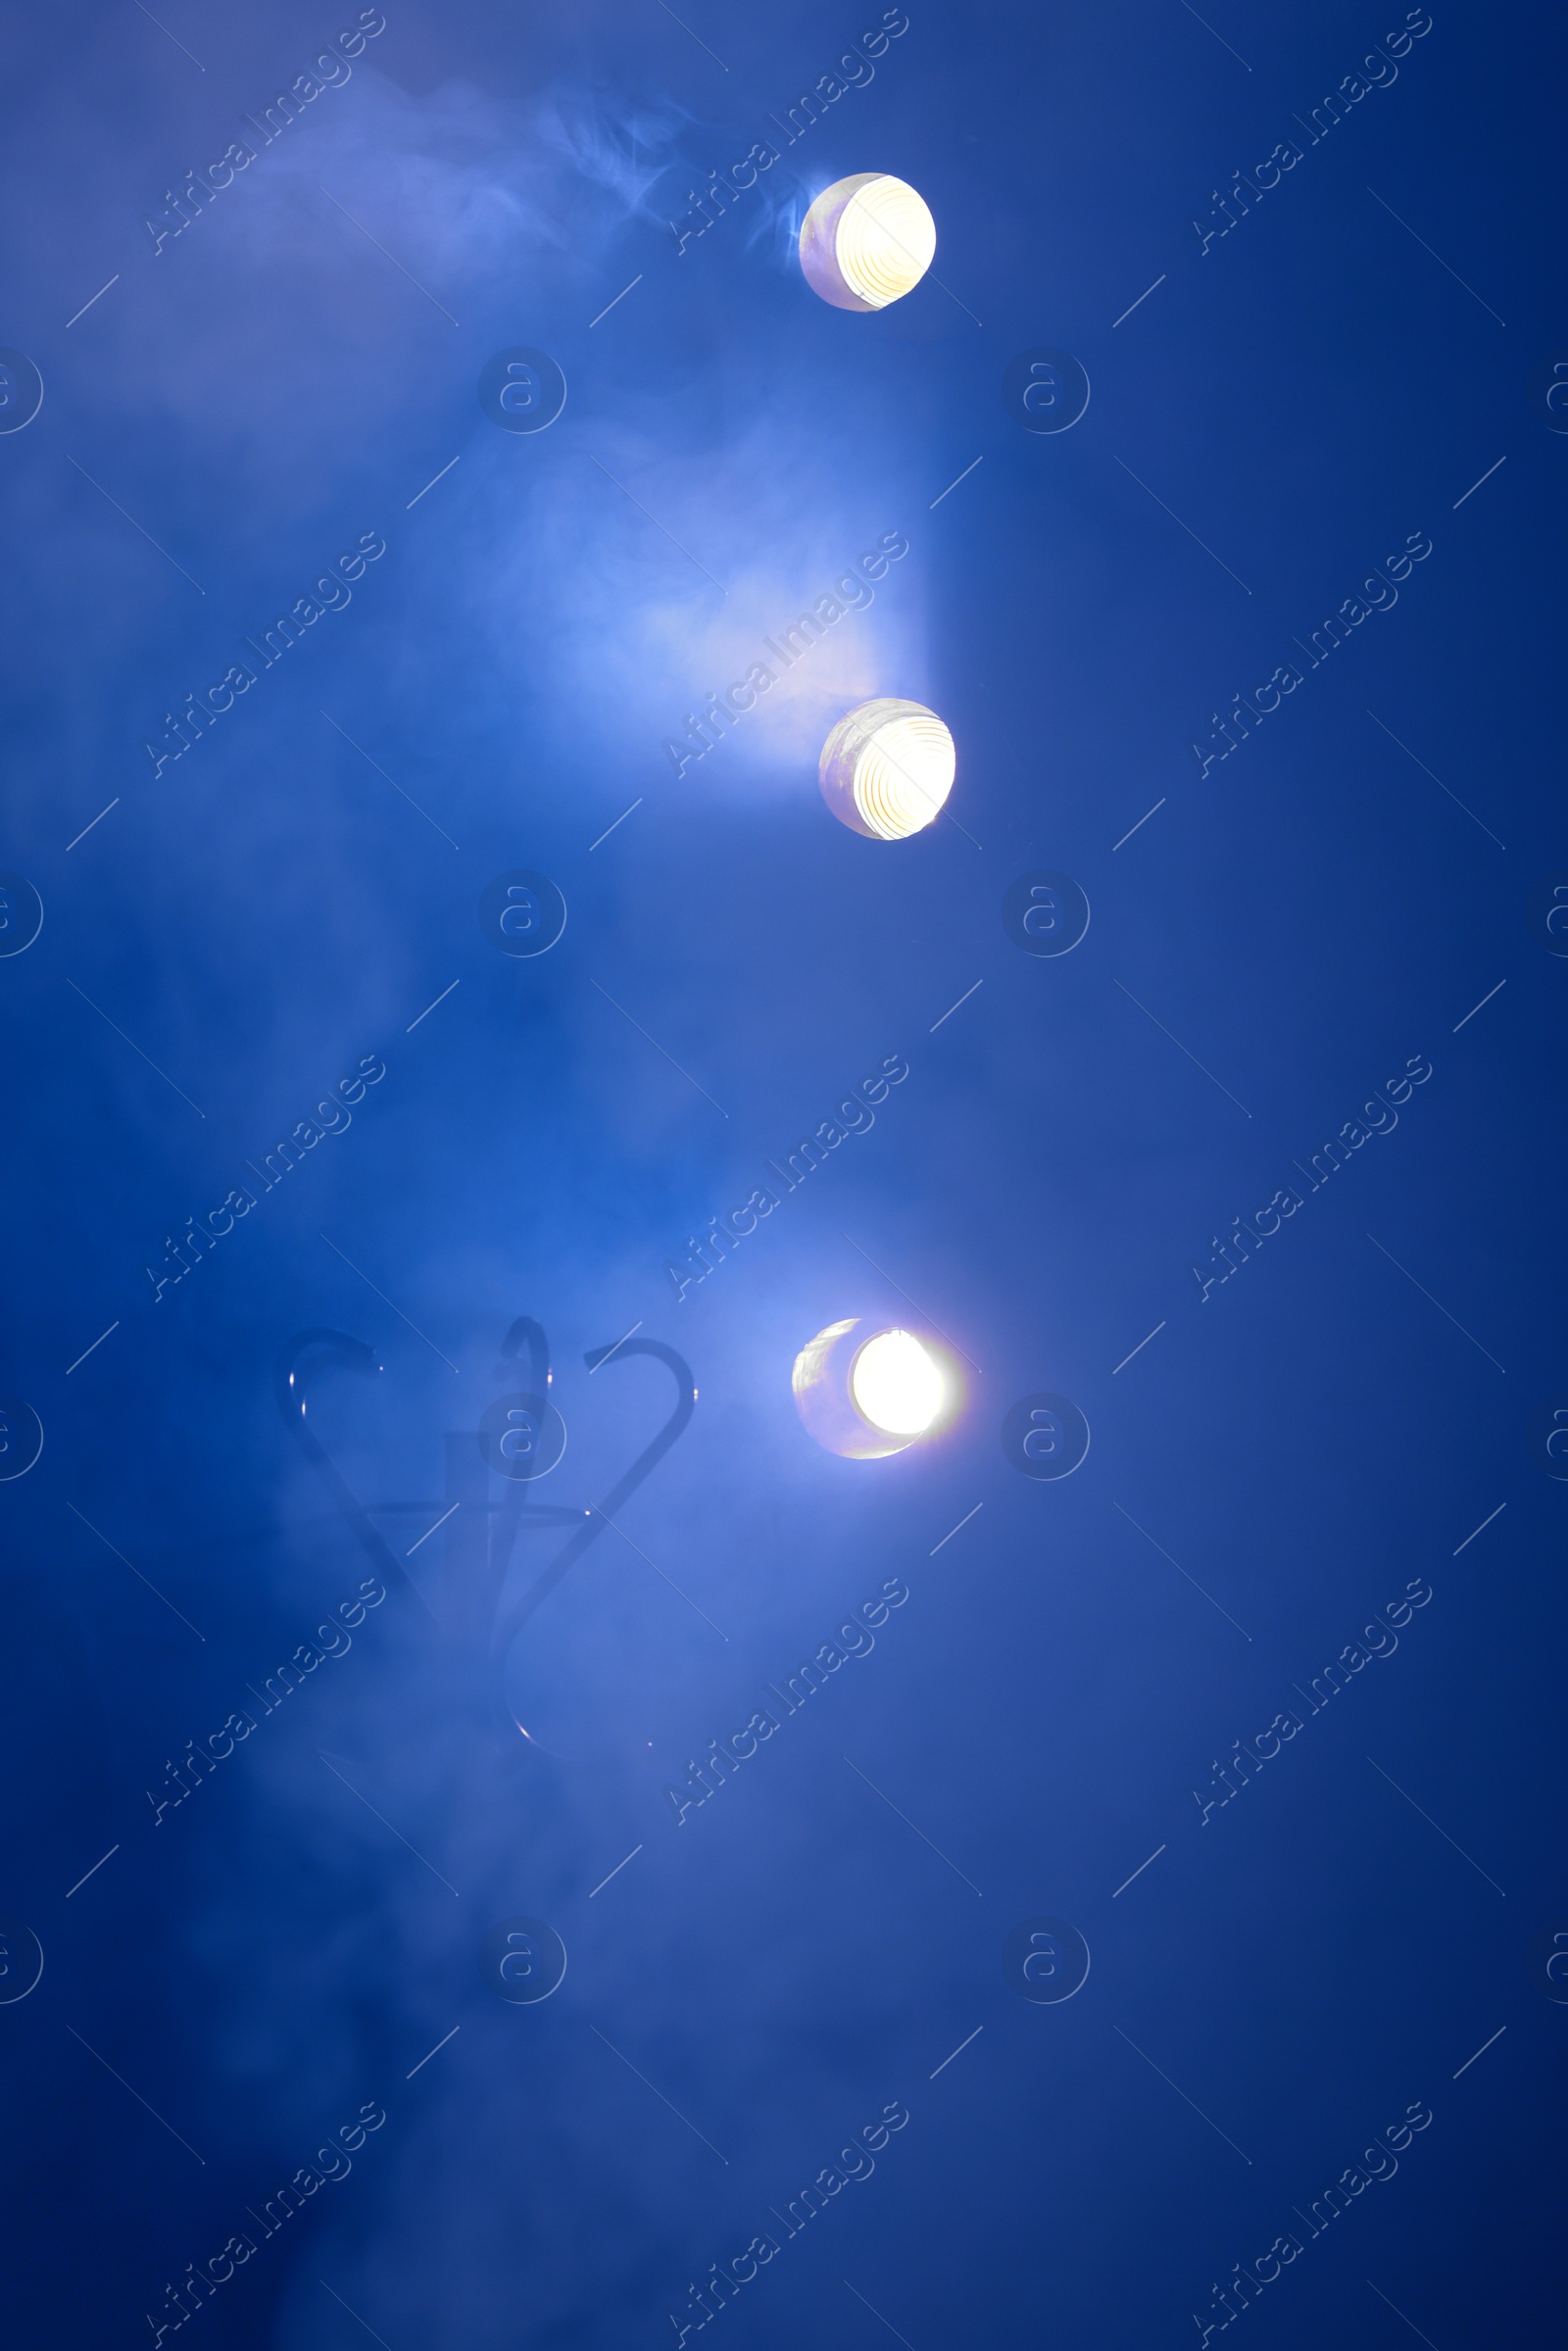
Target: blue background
{"type": "Point", "coordinates": [1288, 1975]}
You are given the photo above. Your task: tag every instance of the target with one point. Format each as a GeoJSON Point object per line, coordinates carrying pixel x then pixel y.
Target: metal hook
{"type": "Point", "coordinates": [539, 1372]}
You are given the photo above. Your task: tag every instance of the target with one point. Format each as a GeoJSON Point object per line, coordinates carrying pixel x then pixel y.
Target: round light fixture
{"type": "Point", "coordinates": [887, 767]}
{"type": "Point", "coordinates": [866, 241]}
{"type": "Point", "coordinates": [863, 1395]}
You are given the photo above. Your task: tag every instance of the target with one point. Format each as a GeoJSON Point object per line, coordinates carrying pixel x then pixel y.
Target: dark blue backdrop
{"type": "Point", "coordinates": [1362, 359]}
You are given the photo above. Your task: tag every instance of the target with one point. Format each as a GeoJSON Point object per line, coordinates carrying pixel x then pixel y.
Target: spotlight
{"type": "Point", "coordinates": [865, 1397]}
{"type": "Point", "coordinates": [887, 768]}
{"type": "Point", "coordinates": [866, 241]}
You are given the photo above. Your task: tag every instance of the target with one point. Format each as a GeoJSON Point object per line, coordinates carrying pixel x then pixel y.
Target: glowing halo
{"type": "Point", "coordinates": [868, 241]}
{"type": "Point", "coordinates": [895, 1385]}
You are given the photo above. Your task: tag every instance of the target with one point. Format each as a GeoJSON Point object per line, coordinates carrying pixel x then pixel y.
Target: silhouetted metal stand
{"type": "Point", "coordinates": [478, 1561]}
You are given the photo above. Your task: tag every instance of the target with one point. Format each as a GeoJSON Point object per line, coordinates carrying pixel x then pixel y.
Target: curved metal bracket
{"type": "Point", "coordinates": [539, 1371]}
{"type": "Point", "coordinates": [511, 1622]}
{"type": "Point", "coordinates": [352, 1355]}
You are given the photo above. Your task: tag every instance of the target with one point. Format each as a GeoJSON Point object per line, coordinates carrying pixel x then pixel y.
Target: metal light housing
{"type": "Point", "coordinates": [864, 1391]}
{"type": "Point", "coordinates": [887, 768]}
{"type": "Point", "coordinates": [868, 241]}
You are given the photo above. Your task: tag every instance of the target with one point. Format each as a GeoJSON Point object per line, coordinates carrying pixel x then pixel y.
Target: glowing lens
{"type": "Point", "coordinates": [887, 768]}
{"type": "Point", "coordinates": [866, 241]}
{"type": "Point", "coordinates": [896, 1385]}
{"type": "Point", "coordinates": [904, 775]}
{"type": "Point", "coordinates": [886, 241]}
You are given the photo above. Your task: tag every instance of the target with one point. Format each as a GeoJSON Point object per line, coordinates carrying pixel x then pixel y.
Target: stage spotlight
{"type": "Point", "coordinates": [867, 1396]}
{"type": "Point", "coordinates": [887, 768]}
{"type": "Point", "coordinates": [866, 241]}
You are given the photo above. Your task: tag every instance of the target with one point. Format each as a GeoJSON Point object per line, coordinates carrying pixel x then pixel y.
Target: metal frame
{"type": "Point", "coordinates": [477, 1610]}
